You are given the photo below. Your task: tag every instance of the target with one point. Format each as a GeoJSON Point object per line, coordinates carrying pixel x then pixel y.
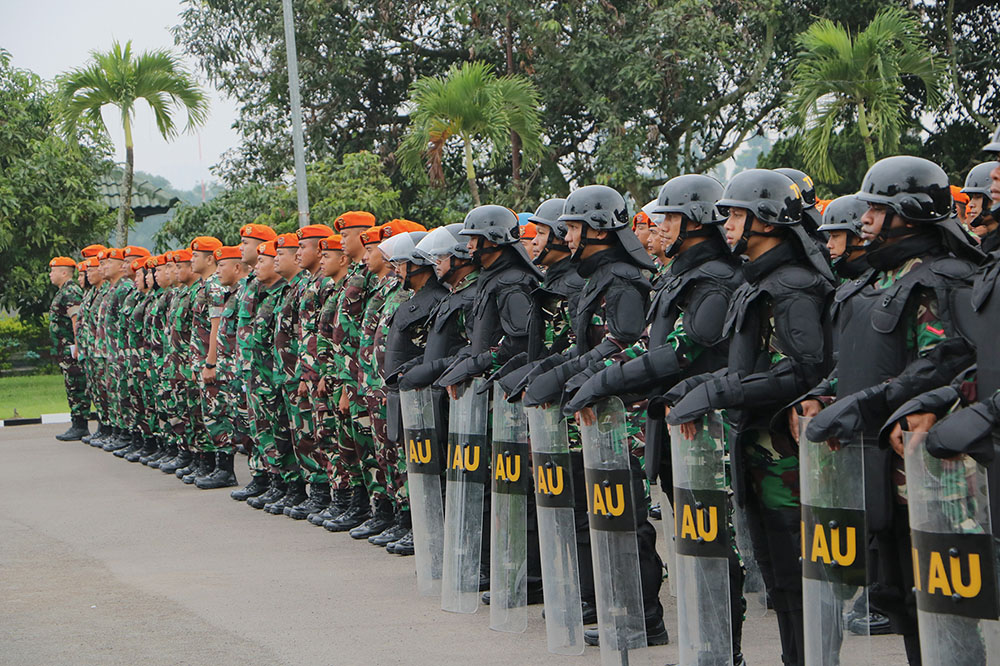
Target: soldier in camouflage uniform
{"type": "Point", "coordinates": [63, 313]}
{"type": "Point", "coordinates": [310, 409]}
{"type": "Point", "coordinates": [137, 385]}
{"type": "Point", "coordinates": [97, 352]}
{"type": "Point", "coordinates": [251, 236]}
{"type": "Point", "coordinates": [160, 336]}
{"type": "Point", "coordinates": [345, 340]}
{"type": "Point", "coordinates": [113, 336]}
{"type": "Point", "coordinates": [265, 395]}
{"type": "Point", "coordinates": [85, 333]}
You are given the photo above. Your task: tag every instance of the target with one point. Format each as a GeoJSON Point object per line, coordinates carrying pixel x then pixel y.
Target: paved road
{"type": "Point", "coordinates": [106, 562]}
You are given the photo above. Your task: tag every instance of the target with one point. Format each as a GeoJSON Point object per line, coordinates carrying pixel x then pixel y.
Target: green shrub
{"type": "Point", "coordinates": [25, 345]}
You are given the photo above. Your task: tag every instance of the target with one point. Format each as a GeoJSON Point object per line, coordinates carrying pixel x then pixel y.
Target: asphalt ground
{"type": "Point", "coordinates": [106, 562]}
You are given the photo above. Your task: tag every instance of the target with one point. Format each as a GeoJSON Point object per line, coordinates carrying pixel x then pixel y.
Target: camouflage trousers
{"type": "Point", "coordinates": [218, 409]}
{"type": "Point", "coordinates": [162, 389]}
{"type": "Point", "coordinates": [273, 438]}
{"type": "Point", "coordinates": [773, 465]}
{"type": "Point", "coordinates": [387, 479]}
{"type": "Point", "coordinates": [329, 426]}
{"type": "Point", "coordinates": [76, 386]}
{"type": "Point", "coordinates": [91, 368]}
{"type": "Point", "coordinates": [351, 442]}
{"type": "Point", "coordinates": [245, 428]}
{"type": "Point", "coordinates": [312, 461]}
{"type": "Point", "coordinates": [187, 420]}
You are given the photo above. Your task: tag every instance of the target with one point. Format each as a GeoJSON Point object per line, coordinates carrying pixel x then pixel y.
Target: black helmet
{"type": "Point", "coordinates": [978, 180]}
{"type": "Point", "coordinates": [548, 213]}
{"type": "Point", "coordinates": [844, 214]}
{"type": "Point", "coordinates": [913, 188]}
{"type": "Point", "coordinates": [994, 145]}
{"type": "Point", "coordinates": [598, 206]}
{"type": "Point", "coordinates": [494, 223]}
{"type": "Point", "coordinates": [771, 197]}
{"type": "Point", "coordinates": [806, 187]}
{"type": "Point", "coordinates": [693, 196]}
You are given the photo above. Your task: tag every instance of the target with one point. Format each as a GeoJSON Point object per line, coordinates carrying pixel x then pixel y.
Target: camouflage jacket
{"type": "Point", "coordinates": [286, 329]}
{"type": "Point", "coordinates": [205, 296]}
{"type": "Point", "coordinates": [326, 366]}
{"type": "Point", "coordinates": [381, 289]}
{"type": "Point", "coordinates": [346, 336]}
{"type": "Point", "coordinates": [226, 309]}
{"type": "Point", "coordinates": [65, 305]}
{"type": "Point", "coordinates": [261, 342]}
{"type": "Point", "coordinates": [394, 296]}
{"type": "Point", "coordinates": [316, 291]}
{"type": "Point", "coordinates": [117, 312]}
{"type": "Point", "coordinates": [180, 330]}
{"type": "Point", "coordinates": [102, 301]}
{"type": "Point", "coordinates": [246, 303]}
{"type": "Point", "coordinates": [84, 323]}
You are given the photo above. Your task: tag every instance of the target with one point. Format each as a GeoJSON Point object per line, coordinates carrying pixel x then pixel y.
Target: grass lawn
{"type": "Point", "coordinates": [32, 396]}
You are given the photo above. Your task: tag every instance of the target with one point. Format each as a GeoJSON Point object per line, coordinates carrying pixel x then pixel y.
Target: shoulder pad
{"type": "Point", "coordinates": [716, 268]}
{"type": "Point", "coordinates": [627, 271]}
{"type": "Point", "coordinates": [516, 276]}
{"type": "Point", "coordinates": [952, 267]}
{"type": "Point", "coordinates": [796, 277]}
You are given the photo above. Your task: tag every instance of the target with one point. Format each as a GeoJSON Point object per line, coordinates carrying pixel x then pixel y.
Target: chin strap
{"type": "Point", "coordinates": [455, 267]}
{"type": "Point", "coordinates": [675, 247]}
{"type": "Point", "coordinates": [585, 241]}
{"type": "Point", "coordinates": [413, 269]}
{"type": "Point", "coordinates": [748, 233]}
{"type": "Point", "coordinates": [550, 246]}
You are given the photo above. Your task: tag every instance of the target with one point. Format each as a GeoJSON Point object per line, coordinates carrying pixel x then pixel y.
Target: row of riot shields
{"type": "Point", "coordinates": [955, 562]}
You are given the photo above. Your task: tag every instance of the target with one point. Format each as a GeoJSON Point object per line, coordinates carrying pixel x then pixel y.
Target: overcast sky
{"type": "Point", "coordinates": [51, 36]}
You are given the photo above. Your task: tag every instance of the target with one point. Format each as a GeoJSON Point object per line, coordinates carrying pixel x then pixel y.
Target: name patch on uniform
{"type": "Point", "coordinates": [553, 480]}
{"type": "Point", "coordinates": [954, 574]}
{"type": "Point", "coordinates": [834, 545]}
{"type": "Point", "coordinates": [510, 468]}
{"type": "Point", "coordinates": [468, 458]}
{"type": "Point", "coordinates": [423, 455]}
{"type": "Point", "coordinates": [610, 504]}
{"type": "Point", "coordinates": [701, 522]}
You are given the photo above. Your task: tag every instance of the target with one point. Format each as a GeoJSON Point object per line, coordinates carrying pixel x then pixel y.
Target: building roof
{"type": "Point", "coordinates": [146, 199]}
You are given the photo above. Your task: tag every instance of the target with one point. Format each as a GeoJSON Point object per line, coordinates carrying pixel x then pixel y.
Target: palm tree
{"type": "Point", "coordinates": [473, 104]}
{"type": "Point", "coordinates": [120, 79]}
{"type": "Point", "coordinates": [839, 80]}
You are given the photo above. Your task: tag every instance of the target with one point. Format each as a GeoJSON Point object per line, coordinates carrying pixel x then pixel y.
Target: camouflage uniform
{"type": "Point", "coordinates": [116, 327]}
{"type": "Point", "coordinates": [65, 305]}
{"type": "Point", "coordinates": [218, 399]}
{"type": "Point", "coordinates": [332, 426]}
{"type": "Point", "coordinates": [182, 381]}
{"type": "Point", "coordinates": [138, 381]}
{"type": "Point", "coordinates": [161, 324]}
{"type": "Point", "coordinates": [85, 344]}
{"type": "Point", "coordinates": [245, 303]}
{"type": "Point", "coordinates": [268, 337]}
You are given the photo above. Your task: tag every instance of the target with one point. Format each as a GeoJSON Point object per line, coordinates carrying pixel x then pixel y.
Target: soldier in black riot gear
{"type": "Point", "coordinates": [978, 210]}
{"type": "Point", "coordinates": [900, 328]}
{"type": "Point", "coordinates": [778, 348]}
{"type": "Point", "coordinates": [609, 257]}
{"type": "Point", "coordinates": [842, 222]}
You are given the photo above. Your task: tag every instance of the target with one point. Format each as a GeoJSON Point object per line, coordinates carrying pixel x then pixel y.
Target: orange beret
{"type": "Point", "coordinates": [400, 226]}
{"type": "Point", "coordinates": [159, 260]}
{"type": "Point", "coordinates": [81, 266]}
{"type": "Point", "coordinates": [205, 244]}
{"type": "Point", "coordinates": [314, 231]}
{"type": "Point", "coordinates": [258, 231]}
{"type": "Point", "coordinates": [371, 235]}
{"type": "Point", "coordinates": [132, 251]}
{"type": "Point", "coordinates": [63, 261]}
{"type": "Point", "coordinates": [529, 230]}
{"type": "Point", "coordinates": [227, 252]}
{"type": "Point", "coordinates": [138, 263]}
{"type": "Point", "coordinates": [268, 249]}
{"type": "Point", "coordinates": [353, 219]}
{"type": "Point", "coordinates": [287, 240]}
{"type": "Point", "coordinates": [92, 250]}
{"type": "Point", "coordinates": [958, 195]}
{"type": "Point", "coordinates": [92, 262]}
{"type": "Point", "coordinates": [331, 243]}
{"type": "Point", "coordinates": [113, 253]}
{"type": "Point", "coordinates": [639, 218]}
{"type": "Point", "coordinates": [181, 256]}
{"type": "Point", "coordinates": [150, 262]}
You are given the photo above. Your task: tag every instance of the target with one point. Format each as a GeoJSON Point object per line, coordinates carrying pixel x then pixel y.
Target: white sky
{"type": "Point", "coordinates": [52, 36]}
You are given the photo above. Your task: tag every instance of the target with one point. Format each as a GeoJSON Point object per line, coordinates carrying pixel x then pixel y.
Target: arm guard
{"type": "Point", "coordinates": [969, 431]}
{"type": "Point", "coordinates": [654, 367]}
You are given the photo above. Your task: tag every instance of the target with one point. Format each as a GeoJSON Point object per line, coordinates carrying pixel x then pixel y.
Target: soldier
{"type": "Point", "coordinates": [137, 343]}
{"type": "Point", "coordinates": [63, 313]}
{"type": "Point", "coordinates": [181, 377]}
{"type": "Point", "coordinates": [156, 268]}
{"type": "Point", "coordinates": [110, 326]}
{"type": "Point", "coordinates": [778, 349]}
{"type": "Point", "coordinates": [107, 272]}
{"type": "Point", "coordinates": [981, 221]}
{"type": "Point", "coordinates": [251, 236]}
{"type": "Point", "coordinates": [160, 326]}
{"type": "Point", "coordinates": [86, 333]}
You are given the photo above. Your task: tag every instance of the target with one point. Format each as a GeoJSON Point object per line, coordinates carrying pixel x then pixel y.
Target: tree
{"type": "Point", "coordinates": [118, 79]}
{"type": "Point", "coordinates": [474, 105]}
{"type": "Point", "coordinates": [48, 190]}
{"type": "Point", "coordinates": [841, 80]}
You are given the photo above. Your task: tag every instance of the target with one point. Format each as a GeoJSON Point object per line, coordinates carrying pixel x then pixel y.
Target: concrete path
{"type": "Point", "coordinates": [106, 562]}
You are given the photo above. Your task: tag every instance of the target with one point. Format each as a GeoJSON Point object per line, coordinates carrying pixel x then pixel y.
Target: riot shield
{"type": "Point", "coordinates": [703, 544]}
{"type": "Point", "coordinates": [509, 516]}
{"type": "Point", "coordinates": [466, 464]}
{"type": "Point", "coordinates": [615, 551]}
{"type": "Point", "coordinates": [556, 530]}
{"type": "Point", "coordinates": [954, 561]}
{"type": "Point", "coordinates": [754, 591]}
{"type": "Point", "coordinates": [834, 550]}
{"type": "Point", "coordinates": [423, 471]}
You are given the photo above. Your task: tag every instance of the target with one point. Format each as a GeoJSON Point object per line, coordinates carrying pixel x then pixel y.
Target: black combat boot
{"type": "Point", "coordinates": [137, 444]}
{"type": "Point", "coordinates": [258, 486]}
{"type": "Point", "coordinates": [273, 493]}
{"type": "Point", "coordinates": [394, 532]}
{"type": "Point", "coordinates": [382, 518]}
{"type": "Point", "coordinates": [295, 494]}
{"type": "Point", "coordinates": [340, 499]}
{"type": "Point", "coordinates": [148, 446]}
{"type": "Point", "coordinates": [169, 453]}
{"type": "Point", "coordinates": [78, 429]}
{"type": "Point", "coordinates": [192, 463]}
{"type": "Point", "coordinates": [119, 439]}
{"type": "Point", "coordinates": [222, 476]}
{"type": "Point", "coordinates": [97, 439]}
{"type": "Point", "coordinates": [180, 461]}
{"type": "Point", "coordinates": [158, 450]}
{"type": "Point", "coordinates": [203, 466]}
{"type": "Point", "coordinates": [319, 499]}
{"type": "Point", "coordinates": [402, 547]}
{"type": "Point", "coordinates": [656, 634]}
{"type": "Point", "coordinates": [357, 512]}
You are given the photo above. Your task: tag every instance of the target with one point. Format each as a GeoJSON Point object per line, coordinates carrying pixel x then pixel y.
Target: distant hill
{"type": "Point", "coordinates": [142, 234]}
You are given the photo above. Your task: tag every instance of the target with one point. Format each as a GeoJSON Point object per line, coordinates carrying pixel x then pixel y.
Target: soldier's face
{"type": "Point", "coordinates": [248, 250]}
{"type": "Point", "coordinates": [308, 253]}
{"type": "Point", "coordinates": [60, 274]}
{"type": "Point", "coordinates": [995, 185]}
{"type": "Point", "coordinates": [351, 240]}
{"type": "Point", "coordinates": [373, 258]}
{"type": "Point", "coordinates": [286, 261]}
{"type": "Point", "coordinates": [574, 232]}
{"type": "Point", "coordinates": [529, 246]}
{"type": "Point", "coordinates": [200, 261]}
{"type": "Point", "coordinates": [734, 225]}
{"type": "Point", "coordinates": [266, 267]}
{"type": "Point", "coordinates": [539, 241]}
{"type": "Point", "coordinates": [642, 232]}
{"type": "Point", "coordinates": [837, 244]}
{"type": "Point", "coordinates": [442, 266]}
{"type": "Point", "coordinates": [329, 262]}
{"type": "Point", "coordinates": [161, 276]}
{"type": "Point", "coordinates": [657, 240]}
{"type": "Point", "coordinates": [975, 205]}
{"type": "Point", "coordinates": [183, 271]}
{"type": "Point", "coordinates": [872, 221]}
{"type": "Point", "coordinates": [228, 271]}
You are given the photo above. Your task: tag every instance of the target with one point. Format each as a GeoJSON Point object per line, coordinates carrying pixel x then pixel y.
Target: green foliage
{"type": "Point", "coordinates": [842, 80]}
{"type": "Point", "coordinates": [48, 191]}
{"type": "Point", "coordinates": [25, 343]}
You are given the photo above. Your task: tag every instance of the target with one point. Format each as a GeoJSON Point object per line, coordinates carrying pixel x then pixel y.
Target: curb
{"type": "Point", "coordinates": [43, 419]}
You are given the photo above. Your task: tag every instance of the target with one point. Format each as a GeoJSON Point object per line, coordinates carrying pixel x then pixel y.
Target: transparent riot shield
{"type": "Point", "coordinates": [423, 471]}
{"type": "Point", "coordinates": [703, 544]}
{"type": "Point", "coordinates": [466, 464]}
{"type": "Point", "coordinates": [509, 516]}
{"type": "Point", "coordinates": [556, 530]}
{"type": "Point", "coordinates": [954, 560]}
{"type": "Point", "coordinates": [834, 550]}
{"type": "Point", "coordinates": [615, 552]}
{"type": "Point", "coordinates": [754, 591]}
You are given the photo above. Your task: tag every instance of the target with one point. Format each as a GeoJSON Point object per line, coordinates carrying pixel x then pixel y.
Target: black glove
{"type": "Point", "coordinates": [850, 416]}
{"type": "Point", "coordinates": [423, 374]}
{"type": "Point", "coordinates": [464, 369]}
{"type": "Point", "coordinates": [392, 379]}
{"type": "Point", "coordinates": [716, 393]}
{"type": "Point", "coordinates": [968, 431]}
